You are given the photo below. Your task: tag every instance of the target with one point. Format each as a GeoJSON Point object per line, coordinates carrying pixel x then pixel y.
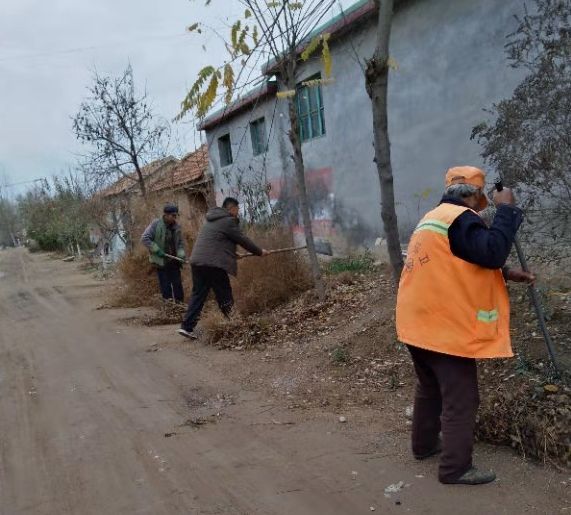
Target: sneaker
{"type": "Point", "coordinates": [474, 477]}
{"type": "Point", "coordinates": [188, 334]}
{"type": "Point", "coordinates": [429, 454]}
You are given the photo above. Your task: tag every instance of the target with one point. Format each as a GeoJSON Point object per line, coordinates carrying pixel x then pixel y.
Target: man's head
{"type": "Point", "coordinates": [170, 214]}
{"type": "Point", "coordinates": [232, 206]}
{"type": "Point", "coordinates": [467, 183]}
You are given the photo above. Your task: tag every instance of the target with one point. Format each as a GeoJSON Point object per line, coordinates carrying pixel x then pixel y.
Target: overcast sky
{"type": "Point", "coordinates": [48, 50]}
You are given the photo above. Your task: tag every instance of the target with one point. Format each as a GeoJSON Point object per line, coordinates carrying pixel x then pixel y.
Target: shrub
{"type": "Point", "coordinates": [356, 264]}
{"type": "Point", "coordinates": [264, 283]}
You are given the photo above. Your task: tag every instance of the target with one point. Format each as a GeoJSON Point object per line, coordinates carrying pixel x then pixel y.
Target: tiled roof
{"type": "Point", "coordinates": [124, 184]}
{"type": "Point", "coordinates": [191, 168]}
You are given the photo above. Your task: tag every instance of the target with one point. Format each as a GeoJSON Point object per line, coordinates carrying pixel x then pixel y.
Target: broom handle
{"type": "Point", "coordinates": [175, 258]}
{"type": "Point", "coordinates": [276, 251]}
{"type": "Point", "coordinates": [534, 297]}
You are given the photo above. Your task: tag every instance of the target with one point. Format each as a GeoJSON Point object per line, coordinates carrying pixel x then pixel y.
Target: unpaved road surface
{"type": "Point", "coordinates": [92, 421]}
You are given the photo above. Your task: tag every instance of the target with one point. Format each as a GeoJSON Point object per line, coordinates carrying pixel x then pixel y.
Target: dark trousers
{"type": "Point", "coordinates": [446, 400]}
{"type": "Point", "coordinates": [205, 278]}
{"type": "Point", "coordinates": [170, 283]}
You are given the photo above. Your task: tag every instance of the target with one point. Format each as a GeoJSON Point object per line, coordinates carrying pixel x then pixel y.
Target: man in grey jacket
{"type": "Point", "coordinates": [213, 258]}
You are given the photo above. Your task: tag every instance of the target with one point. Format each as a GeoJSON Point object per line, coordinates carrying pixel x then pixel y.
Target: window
{"type": "Point", "coordinates": [258, 135]}
{"type": "Point", "coordinates": [310, 110]}
{"type": "Point", "coordinates": [225, 150]}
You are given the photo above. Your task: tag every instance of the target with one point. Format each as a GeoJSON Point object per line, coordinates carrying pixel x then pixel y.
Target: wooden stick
{"type": "Point", "coordinates": [175, 258]}
{"type": "Point", "coordinates": [276, 251]}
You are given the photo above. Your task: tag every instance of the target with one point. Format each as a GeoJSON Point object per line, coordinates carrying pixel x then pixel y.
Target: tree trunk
{"type": "Point", "coordinates": [301, 186]}
{"type": "Point", "coordinates": [376, 81]}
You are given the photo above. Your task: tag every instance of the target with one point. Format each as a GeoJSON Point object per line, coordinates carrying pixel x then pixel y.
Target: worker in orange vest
{"type": "Point", "coordinates": [452, 308]}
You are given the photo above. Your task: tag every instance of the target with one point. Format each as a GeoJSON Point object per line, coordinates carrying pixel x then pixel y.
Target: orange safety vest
{"type": "Point", "coordinates": [446, 304]}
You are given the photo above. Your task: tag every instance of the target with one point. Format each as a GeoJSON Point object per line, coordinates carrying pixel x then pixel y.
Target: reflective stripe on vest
{"type": "Point", "coordinates": [488, 316]}
{"type": "Point", "coordinates": [434, 226]}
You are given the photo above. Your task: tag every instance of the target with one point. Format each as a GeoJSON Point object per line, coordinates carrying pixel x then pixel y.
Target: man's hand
{"type": "Point", "coordinates": [505, 196]}
{"type": "Point", "coordinates": [265, 252]}
{"type": "Point", "coordinates": [519, 276]}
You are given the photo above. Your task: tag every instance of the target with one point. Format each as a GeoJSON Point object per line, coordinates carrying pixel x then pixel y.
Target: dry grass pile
{"type": "Point", "coordinates": [264, 283]}
{"type": "Point", "coordinates": [137, 281]}
{"type": "Point", "coordinates": [531, 417]}
{"type": "Point", "coordinates": [295, 322]}
{"type": "Point", "coordinates": [165, 312]}
{"type": "Point", "coordinates": [236, 332]}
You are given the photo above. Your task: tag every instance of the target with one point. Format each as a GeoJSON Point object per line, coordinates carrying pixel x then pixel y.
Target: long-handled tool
{"type": "Point", "coordinates": [321, 247]}
{"type": "Point", "coordinates": [534, 297]}
{"type": "Point", "coordinates": [176, 258]}
{"type": "Point", "coordinates": [276, 251]}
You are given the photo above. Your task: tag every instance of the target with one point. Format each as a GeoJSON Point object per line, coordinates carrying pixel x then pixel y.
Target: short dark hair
{"type": "Point", "coordinates": [229, 202]}
{"type": "Point", "coordinates": [170, 209]}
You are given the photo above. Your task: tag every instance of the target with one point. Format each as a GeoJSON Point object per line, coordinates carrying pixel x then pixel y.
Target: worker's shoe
{"type": "Point", "coordinates": [437, 450]}
{"type": "Point", "coordinates": [473, 477]}
{"type": "Point", "coordinates": [187, 334]}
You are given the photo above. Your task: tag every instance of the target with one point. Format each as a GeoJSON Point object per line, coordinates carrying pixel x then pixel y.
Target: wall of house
{"type": "Point", "coordinates": [452, 65]}
{"type": "Point", "coordinates": [247, 169]}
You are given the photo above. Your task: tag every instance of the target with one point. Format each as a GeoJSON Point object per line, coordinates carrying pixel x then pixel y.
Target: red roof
{"type": "Point", "coordinates": [190, 169]}
{"type": "Point", "coordinates": [124, 184]}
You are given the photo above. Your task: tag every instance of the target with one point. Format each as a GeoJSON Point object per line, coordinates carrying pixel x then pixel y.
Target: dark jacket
{"type": "Point", "coordinates": [217, 239]}
{"type": "Point", "coordinates": [155, 238]}
{"type": "Point", "coordinates": [473, 241]}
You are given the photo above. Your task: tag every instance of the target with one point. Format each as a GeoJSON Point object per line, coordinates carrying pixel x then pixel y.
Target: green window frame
{"type": "Point", "coordinates": [225, 150]}
{"type": "Point", "coordinates": [258, 136]}
{"type": "Point", "coordinates": [310, 110]}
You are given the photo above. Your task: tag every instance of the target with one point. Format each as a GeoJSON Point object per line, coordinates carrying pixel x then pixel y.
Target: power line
{"type": "Point", "coordinates": [20, 183]}
{"type": "Point", "coordinates": [79, 50]}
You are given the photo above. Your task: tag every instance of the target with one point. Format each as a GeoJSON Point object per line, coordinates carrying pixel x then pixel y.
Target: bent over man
{"type": "Point", "coordinates": [452, 308]}
{"type": "Point", "coordinates": [213, 257]}
{"type": "Point", "coordinates": [163, 236]}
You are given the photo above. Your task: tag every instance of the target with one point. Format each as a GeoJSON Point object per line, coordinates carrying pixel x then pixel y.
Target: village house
{"type": "Point", "coordinates": [185, 182]}
{"type": "Point", "coordinates": [451, 66]}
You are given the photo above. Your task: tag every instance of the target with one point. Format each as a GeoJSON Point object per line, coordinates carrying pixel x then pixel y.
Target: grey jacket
{"type": "Point", "coordinates": [216, 242]}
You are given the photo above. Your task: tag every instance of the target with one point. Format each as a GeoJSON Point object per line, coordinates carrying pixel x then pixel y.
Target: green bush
{"type": "Point", "coordinates": [360, 263]}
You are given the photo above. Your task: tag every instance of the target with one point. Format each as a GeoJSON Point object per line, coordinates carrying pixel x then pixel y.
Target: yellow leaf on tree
{"type": "Point", "coordinates": [286, 94]}
{"type": "Point", "coordinates": [393, 64]}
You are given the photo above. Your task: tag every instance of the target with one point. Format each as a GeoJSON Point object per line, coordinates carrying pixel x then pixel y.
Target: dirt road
{"type": "Point", "coordinates": [93, 421]}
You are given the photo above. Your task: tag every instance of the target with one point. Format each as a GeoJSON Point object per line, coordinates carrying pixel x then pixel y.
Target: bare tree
{"type": "Point", "coordinates": [120, 127]}
{"type": "Point", "coordinates": [278, 31]}
{"type": "Point", "coordinates": [376, 83]}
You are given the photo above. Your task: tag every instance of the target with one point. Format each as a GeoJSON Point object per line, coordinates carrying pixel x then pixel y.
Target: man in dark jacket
{"type": "Point", "coordinates": [213, 258]}
{"type": "Point", "coordinates": [163, 236]}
